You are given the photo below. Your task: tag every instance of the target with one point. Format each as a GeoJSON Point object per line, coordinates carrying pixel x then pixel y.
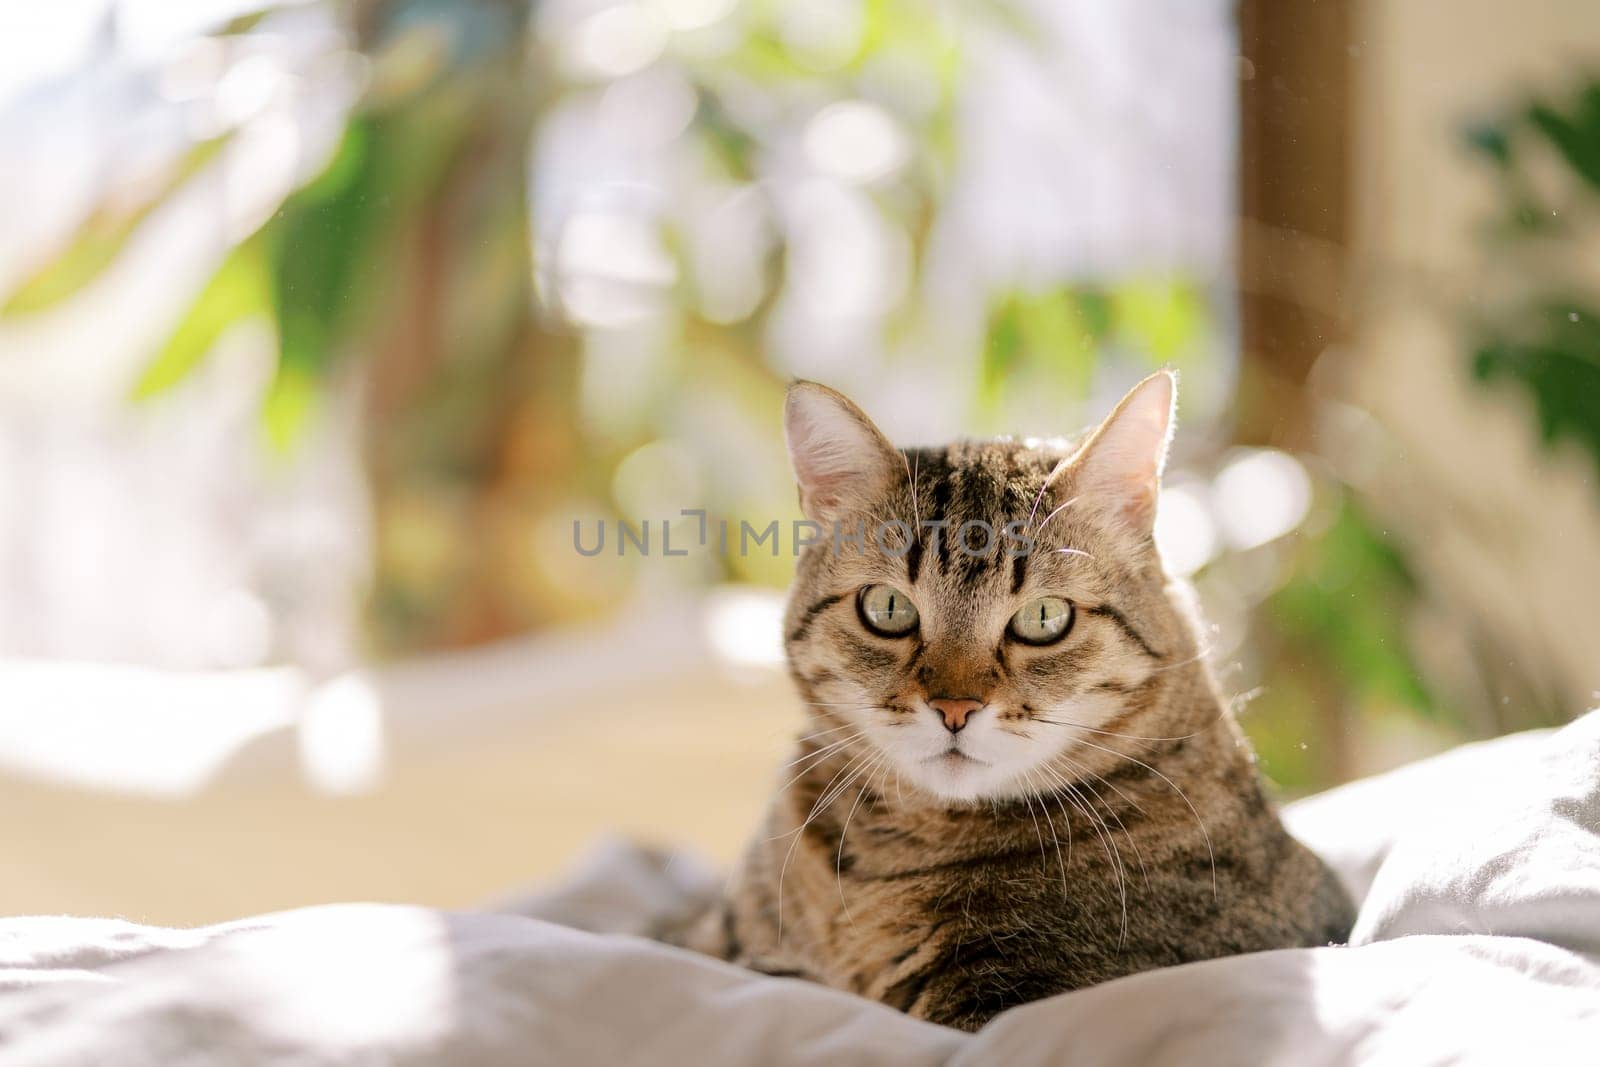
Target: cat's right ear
{"type": "Point", "coordinates": [839, 457]}
{"type": "Point", "coordinates": [1119, 467]}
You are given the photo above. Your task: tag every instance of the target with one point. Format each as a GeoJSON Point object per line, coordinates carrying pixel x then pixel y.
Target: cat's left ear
{"type": "Point", "coordinates": [1119, 467]}
{"type": "Point", "coordinates": [841, 460]}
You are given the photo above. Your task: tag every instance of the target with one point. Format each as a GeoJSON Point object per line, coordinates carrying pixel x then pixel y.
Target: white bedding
{"type": "Point", "coordinates": [1478, 942]}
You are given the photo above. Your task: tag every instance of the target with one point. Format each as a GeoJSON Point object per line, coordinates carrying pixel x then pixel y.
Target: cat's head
{"type": "Point", "coordinates": [1026, 623]}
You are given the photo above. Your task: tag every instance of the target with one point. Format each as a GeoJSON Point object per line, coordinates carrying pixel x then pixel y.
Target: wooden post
{"type": "Point", "coordinates": [1294, 226]}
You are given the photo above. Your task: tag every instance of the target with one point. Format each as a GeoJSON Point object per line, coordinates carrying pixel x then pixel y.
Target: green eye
{"type": "Point", "coordinates": [886, 611]}
{"type": "Point", "coordinates": [1042, 621]}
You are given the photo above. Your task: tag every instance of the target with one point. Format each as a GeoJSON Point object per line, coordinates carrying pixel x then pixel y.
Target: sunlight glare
{"type": "Point", "coordinates": [619, 40]}
{"type": "Point", "coordinates": [348, 977]}
{"type": "Point", "coordinates": [1185, 532]}
{"type": "Point", "coordinates": [341, 736]}
{"type": "Point", "coordinates": [845, 262]}
{"type": "Point", "coordinates": [856, 142]}
{"type": "Point", "coordinates": [131, 729]}
{"type": "Point", "coordinates": [247, 87]}
{"type": "Point", "coordinates": [694, 14]}
{"type": "Point", "coordinates": [745, 626]}
{"type": "Point", "coordinates": [1260, 495]}
{"type": "Point", "coordinates": [614, 270]}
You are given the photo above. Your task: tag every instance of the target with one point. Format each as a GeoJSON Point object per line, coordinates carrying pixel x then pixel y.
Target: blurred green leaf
{"type": "Point", "coordinates": [323, 238]}
{"type": "Point", "coordinates": [1348, 599]}
{"type": "Point", "coordinates": [1554, 353]}
{"type": "Point", "coordinates": [730, 148]}
{"type": "Point", "coordinates": [762, 58]}
{"type": "Point", "coordinates": [320, 259]}
{"type": "Point", "coordinates": [245, 23]}
{"type": "Point", "coordinates": [1059, 332]}
{"type": "Point", "coordinates": [1549, 343]}
{"type": "Point", "coordinates": [103, 236]}
{"type": "Point", "coordinates": [297, 269]}
{"type": "Point", "coordinates": [292, 398]}
{"type": "Point", "coordinates": [1039, 331]}
{"type": "Point", "coordinates": [1489, 139]}
{"type": "Point", "coordinates": [1575, 133]}
{"type": "Point", "coordinates": [1160, 317]}
{"type": "Point", "coordinates": [1003, 351]}
{"type": "Point", "coordinates": [1094, 306]}
{"type": "Point", "coordinates": [248, 21]}
{"type": "Point", "coordinates": [912, 29]}
{"type": "Point", "coordinates": [238, 290]}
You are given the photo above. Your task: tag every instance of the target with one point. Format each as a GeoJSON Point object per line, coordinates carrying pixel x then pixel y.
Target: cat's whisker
{"type": "Point", "coordinates": [1073, 552]}
{"type": "Point", "coordinates": [1056, 512]}
{"type": "Point", "coordinates": [1126, 737]}
{"type": "Point", "coordinates": [1103, 830]}
{"type": "Point", "coordinates": [814, 735]}
{"type": "Point", "coordinates": [916, 512]}
{"type": "Point", "coordinates": [817, 805]}
{"type": "Point", "coordinates": [1210, 852]}
{"type": "Point", "coordinates": [1044, 488]}
{"type": "Point", "coordinates": [844, 787]}
{"type": "Point", "coordinates": [1064, 818]}
{"type": "Point", "coordinates": [1242, 700]}
{"type": "Point", "coordinates": [804, 739]}
{"type": "Point", "coordinates": [1086, 780]}
{"type": "Point", "coordinates": [1044, 862]}
{"type": "Point", "coordinates": [833, 790]}
{"type": "Point", "coordinates": [1061, 863]}
{"type": "Point", "coordinates": [838, 862]}
{"type": "Point", "coordinates": [799, 832]}
{"type": "Point", "coordinates": [823, 803]}
{"type": "Point", "coordinates": [822, 751]}
{"type": "Point", "coordinates": [824, 733]}
{"type": "Point", "coordinates": [821, 757]}
{"type": "Point", "coordinates": [864, 705]}
{"type": "Point", "coordinates": [809, 744]}
{"type": "Point", "coordinates": [1103, 780]}
{"type": "Point", "coordinates": [1200, 655]}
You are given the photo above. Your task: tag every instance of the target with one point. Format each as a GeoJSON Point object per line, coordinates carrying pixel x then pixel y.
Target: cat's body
{"type": "Point", "coordinates": [993, 805]}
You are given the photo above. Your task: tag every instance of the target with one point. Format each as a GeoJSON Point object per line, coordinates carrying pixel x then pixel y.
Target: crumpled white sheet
{"type": "Point", "coordinates": [1478, 942]}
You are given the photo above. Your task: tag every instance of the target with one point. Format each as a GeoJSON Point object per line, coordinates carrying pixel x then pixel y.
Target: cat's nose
{"type": "Point", "coordinates": [955, 710]}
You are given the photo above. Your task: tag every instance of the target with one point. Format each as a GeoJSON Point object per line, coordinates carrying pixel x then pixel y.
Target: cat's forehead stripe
{"type": "Point", "coordinates": [991, 482]}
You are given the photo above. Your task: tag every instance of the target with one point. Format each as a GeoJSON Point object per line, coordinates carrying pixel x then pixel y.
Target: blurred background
{"type": "Point", "coordinates": [322, 324]}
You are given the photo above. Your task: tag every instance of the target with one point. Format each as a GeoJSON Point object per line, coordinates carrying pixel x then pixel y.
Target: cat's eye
{"type": "Point", "coordinates": [886, 611]}
{"type": "Point", "coordinates": [1042, 621]}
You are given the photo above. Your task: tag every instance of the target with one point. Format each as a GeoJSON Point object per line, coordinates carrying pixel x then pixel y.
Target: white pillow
{"type": "Point", "coordinates": [1513, 849]}
{"type": "Point", "coordinates": [1353, 827]}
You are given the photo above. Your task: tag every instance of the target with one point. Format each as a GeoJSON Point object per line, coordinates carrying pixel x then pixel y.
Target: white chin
{"type": "Point", "coordinates": [955, 777]}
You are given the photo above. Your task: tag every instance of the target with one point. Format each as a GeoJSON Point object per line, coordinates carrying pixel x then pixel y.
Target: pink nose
{"type": "Point", "coordinates": [955, 710]}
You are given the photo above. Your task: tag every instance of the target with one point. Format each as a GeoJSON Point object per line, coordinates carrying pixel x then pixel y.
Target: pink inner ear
{"type": "Point", "coordinates": [1121, 463]}
{"type": "Point", "coordinates": [823, 489]}
{"type": "Point", "coordinates": [1139, 506]}
{"type": "Point", "coordinates": [837, 454]}
{"type": "Point", "coordinates": [823, 464]}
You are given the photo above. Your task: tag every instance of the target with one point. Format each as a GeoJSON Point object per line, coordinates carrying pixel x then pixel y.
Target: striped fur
{"type": "Point", "coordinates": [1129, 830]}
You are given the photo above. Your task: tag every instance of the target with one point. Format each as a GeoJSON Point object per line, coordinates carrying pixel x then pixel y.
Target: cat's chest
{"type": "Point", "coordinates": [868, 917]}
{"type": "Point", "coordinates": [858, 943]}
{"type": "Point", "coordinates": [866, 895]}
{"type": "Point", "coordinates": [885, 908]}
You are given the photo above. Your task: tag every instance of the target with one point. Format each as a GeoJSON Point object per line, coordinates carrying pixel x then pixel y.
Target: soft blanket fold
{"type": "Point", "coordinates": [1478, 942]}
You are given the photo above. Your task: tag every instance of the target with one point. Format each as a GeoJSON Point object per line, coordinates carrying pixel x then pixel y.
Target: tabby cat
{"type": "Point", "coordinates": [1018, 777]}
